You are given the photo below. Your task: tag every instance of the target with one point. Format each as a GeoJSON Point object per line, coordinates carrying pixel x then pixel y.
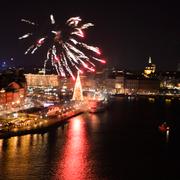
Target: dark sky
{"type": "Point", "coordinates": [127, 32]}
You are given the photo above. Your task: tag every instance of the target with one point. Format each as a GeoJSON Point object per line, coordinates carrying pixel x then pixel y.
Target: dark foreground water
{"type": "Point", "coordinates": [122, 143]}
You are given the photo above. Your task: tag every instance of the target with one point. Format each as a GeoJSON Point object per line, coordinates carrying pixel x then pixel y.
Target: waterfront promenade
{"type": "Point", "coordinates": [19, 123]}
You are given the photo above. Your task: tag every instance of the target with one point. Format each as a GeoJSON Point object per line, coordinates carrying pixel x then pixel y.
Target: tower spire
{"type": "Point", "coordinates": [150, 61]}
{"type": "Point", "coordinates": [77, 94]}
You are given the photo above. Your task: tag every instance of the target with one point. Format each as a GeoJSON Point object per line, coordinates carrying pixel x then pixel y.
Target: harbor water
{"type": "Point", "coordinates": [121, 143]}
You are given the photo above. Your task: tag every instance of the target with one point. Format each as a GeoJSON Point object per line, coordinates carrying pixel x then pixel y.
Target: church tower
{"type": "Point", "coordinates": [150, 69]}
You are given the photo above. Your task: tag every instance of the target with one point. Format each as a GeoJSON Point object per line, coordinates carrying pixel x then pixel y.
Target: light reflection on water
{"type": "Point", "coordinates": [16, 154]}
{"type": "Point", "coordinates": [121, 143]}
{"type": "Point", "coordinates": [74, 162]}
{"type": "Point", "coordinates": [64, 151]}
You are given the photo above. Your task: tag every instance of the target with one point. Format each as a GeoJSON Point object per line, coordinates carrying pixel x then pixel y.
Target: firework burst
{"type": "Point", "coordinates": [66, 50]}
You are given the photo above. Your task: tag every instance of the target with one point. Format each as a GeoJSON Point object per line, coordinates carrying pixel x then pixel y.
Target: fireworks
{"type": "Point", "coordinates": [66, 50]}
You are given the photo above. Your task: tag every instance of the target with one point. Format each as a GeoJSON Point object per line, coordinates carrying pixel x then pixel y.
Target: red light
{"type": "Point", "coordinates": [56, 58]}
{"type": "Point", "coordinates": [73, 161]}
{"type": "Point", "coordinates": [40, 41]}
{"type": "Point", "coordinates": [103, 61]}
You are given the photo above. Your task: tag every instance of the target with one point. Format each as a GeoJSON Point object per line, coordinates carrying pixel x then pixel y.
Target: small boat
{"type": "Point", "coordinates": [96, 106]}
{"type": "Point", "coordinates": [96, 101]}
{"type": "Point", "coordinates": [164, 127]}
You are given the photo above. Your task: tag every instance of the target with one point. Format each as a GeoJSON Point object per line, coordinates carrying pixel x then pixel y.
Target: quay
{"type": "Point", "coordinates": [21, 123]}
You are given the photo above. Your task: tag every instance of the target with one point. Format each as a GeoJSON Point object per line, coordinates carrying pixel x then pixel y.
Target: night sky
{"type": "Point", "coordinates": [127, 32]}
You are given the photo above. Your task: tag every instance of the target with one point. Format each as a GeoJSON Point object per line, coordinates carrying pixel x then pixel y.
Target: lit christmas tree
{"type": "Point", "coordinates": [77, 94]}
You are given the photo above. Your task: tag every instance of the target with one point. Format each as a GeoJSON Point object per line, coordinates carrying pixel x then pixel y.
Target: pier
{"type": "Point", "coordinates": [20, 123]}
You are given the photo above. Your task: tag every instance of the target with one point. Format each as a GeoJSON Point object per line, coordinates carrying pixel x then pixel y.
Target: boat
{"type": "Point", "coordinates": [97, 102]}
{"type": "Point", "coordinates": [96, 105]}
{"type": "Point", "coordinates": [164, 127]}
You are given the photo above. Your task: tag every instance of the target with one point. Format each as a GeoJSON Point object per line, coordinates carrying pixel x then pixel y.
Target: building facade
{"type": "Point", "coordinates": [42, 80]}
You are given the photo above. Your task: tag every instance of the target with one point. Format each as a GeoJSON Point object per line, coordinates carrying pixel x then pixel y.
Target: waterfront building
{"type": "Point", "coordinates": [149, 86]}
{"type": "Point", "coordinates": [170, 82]}
{"type": "Point", "coordinates": [131, 85]}
{"type": "Point", "coordinates": [40, 80]}
{"type": "Point", "coordinates": [125, 82]}
{"type": "Point", "coordinates": [12, 97]}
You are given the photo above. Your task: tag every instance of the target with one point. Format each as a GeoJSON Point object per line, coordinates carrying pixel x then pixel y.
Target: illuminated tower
{"type": "Point", "coordinates": [150, 60]}
{"type": "Point", "coordinates": [150, 69]}
{"type": "Point", "coordinates": [77, 94]}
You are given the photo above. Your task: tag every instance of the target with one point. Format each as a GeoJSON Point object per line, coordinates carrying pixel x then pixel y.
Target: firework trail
{"type": "Point", "coordinates": [66, 51]}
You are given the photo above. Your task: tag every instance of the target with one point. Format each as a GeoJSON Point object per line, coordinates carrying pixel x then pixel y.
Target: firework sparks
{"type": "Point", "coordinates": [27, 21]}
{"type": "Point", "coordinates": [67, 52]}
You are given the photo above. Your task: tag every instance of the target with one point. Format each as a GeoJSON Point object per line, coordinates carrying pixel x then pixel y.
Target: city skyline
{"type": "Point", "coordinates": [118, 119]}
{"type": "Point", "coordinates": [128, 33]}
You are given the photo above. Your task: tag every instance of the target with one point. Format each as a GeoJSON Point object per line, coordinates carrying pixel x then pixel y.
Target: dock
{"type": "Point", "coordinates": [26, 123]}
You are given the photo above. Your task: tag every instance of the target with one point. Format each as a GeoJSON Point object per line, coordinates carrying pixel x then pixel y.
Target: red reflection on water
{"type": "Point", "coordinates": [74, 163]}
